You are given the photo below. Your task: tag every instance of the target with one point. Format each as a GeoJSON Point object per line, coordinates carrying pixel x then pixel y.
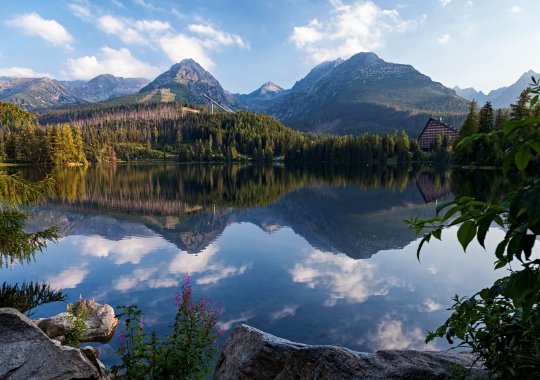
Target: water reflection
{"type": "Point", "coordinates": [315, 254]}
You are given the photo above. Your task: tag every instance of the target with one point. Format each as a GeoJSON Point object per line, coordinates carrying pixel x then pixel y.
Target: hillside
{"type": "Point", "coordinates": [185, 82]}
{"type": "Point", "coordinates": [107, 86]}
{"type": "Point", "coordinates": [37, 93]}
{"type": "Point", "coordinates": [367, 94]}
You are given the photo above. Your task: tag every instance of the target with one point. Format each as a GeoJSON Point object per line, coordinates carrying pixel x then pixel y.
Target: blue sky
{"type": "Point", "coordinates": [485, 44]}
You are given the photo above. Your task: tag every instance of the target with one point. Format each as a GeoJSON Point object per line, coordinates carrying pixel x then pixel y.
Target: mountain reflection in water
{"type": "Point", "coordinates": [315, 254]}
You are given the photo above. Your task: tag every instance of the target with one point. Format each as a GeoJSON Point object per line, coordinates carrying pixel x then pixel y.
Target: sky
{"type": "Point", "coordinates": [485, 44]}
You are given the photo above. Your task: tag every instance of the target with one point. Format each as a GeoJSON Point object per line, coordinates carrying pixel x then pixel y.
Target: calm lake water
{"type": "Point", "coordinates": [314, 254]}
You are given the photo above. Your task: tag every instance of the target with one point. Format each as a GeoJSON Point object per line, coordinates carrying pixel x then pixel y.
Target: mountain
{"type": "Point", "coordinates": [72, 84]}
{"type": "Point", "coordinates": [470, 94]}
{"type": "Point", "coordinates": [367, 94]}
{"type": "Point", "coordinates": [264, 97]}
{"type": "Point", "coordinates": [186, 82]}
{"type": "Point", "coordinates": [37, 93]}
{"type": "Point", "coordinates": [501, 97]}
{"type": "Point", "coordinates": [509, 94]}
{"type": "Point", "coordinates": [107, 86]}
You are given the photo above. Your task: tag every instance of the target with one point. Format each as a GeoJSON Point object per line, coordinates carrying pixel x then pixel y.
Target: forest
{"type": "Point", "coordinates": [187, 133]}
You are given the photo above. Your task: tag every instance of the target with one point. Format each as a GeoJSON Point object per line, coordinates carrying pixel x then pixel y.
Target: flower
{"type": "Point", "coordinates": [221, 331]}
{"type": "Point", "coordinates": [141, 323]}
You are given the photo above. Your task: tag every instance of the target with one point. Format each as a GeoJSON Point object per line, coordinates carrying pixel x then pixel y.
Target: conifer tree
{"type": "Point", "coordinates": [67, 144]}
{"type": "Point", "coordinates": [11, 147]}
{"type": "Point", "coordinates": [501, 118]}
{"type": "Point", "coordinates": [485, 119]}
{"type": "Point", "coordinates": [520, 110]}
{"type": "Point", "coordinates": [78, 146]}
{"type": "Point", "coordinates": [27, 142]}
{"type": "Point", "coordinates": [54, 145]}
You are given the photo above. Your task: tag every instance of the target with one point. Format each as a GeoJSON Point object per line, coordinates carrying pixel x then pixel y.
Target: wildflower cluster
{"type": "Point", "coordinates": [185, 354]}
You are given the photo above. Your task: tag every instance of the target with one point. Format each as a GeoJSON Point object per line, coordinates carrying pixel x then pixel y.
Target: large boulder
{"type": "Point", "coordinates": [253, 354]}
{"type": "Point", "coordinates": [100, 326]}
{"type": "Point", "coordinates": [26, 353]}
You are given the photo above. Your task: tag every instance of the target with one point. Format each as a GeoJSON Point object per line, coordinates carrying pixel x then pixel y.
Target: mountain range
{"type": "Point", "coordinates": [501, 97]}
{"type": "Point", "coordinates": [361, 94]}
{"type": "Point", "coordinates": [42, 93]}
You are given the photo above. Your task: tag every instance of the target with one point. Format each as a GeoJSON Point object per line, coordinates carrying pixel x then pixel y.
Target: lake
{"type": "Point", "coordinates": [313, 254]}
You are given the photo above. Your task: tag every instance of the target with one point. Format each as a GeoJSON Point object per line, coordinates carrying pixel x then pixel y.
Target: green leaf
{"type": "Point", "coordinates": [426, 237]}
{"type": "Point", "coordinates": [511, 127]}
{"type": "Point", "coordinates": [536, 146]}
{"type": "Point", "coordinates": [507, 162]}
{"type": "Point", "coordinates": [437, 234]}
{"type": "Point", "coordinates": [483, 226]}
{"type": "Point", "coordinates": [466, 233]}
{"type": "Point", "coordinates": [444, 205]}
{"type": "Point", "coordinates": [522, 158]}
{"type": "Point", "coordinates": [533, 101]}
{"type": "Point", "coordinates": [451, 212]}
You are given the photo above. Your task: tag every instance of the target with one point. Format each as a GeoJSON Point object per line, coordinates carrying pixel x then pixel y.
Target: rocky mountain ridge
{"type": "Point", "coordinates": [501, 97]}
{"type": "Point", "coordinates": [189, 81]}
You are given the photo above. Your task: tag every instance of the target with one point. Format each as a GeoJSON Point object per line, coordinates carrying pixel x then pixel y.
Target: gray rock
{"type": "Point", "coordinates": [253, 354]}
{"type": "Point", "coordinates": [100, 326]}
{"type": "Point", "coordinates": [28, 354]}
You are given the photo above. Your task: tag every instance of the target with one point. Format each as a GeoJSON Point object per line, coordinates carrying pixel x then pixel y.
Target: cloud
{"type": "Point", "coordinates": [432, 269]}
{"type": "Point", "coordinates": [123, 251]}
{"type": "Point", "coordinates": [515, 9]}
{"type": "Point", "coordinates": [118, 4]}
{"type": "Point", "coordinates": [392, 336]}
{"type": "Point", "coordinates": [147, 5]}
{"type": "Point", "coordinates": [470, 2]}
{"type": "Point", "coordinates": [22, 72]}
{"type": "Point", "coordinates": [49, 30]}
{"type": "Point", "coordinates": [69, 278]}
{"type": "Point", "coordinates": [444, 39]}
{"type": "Point", "coordinates": [444, 3]}
{"type": "Point", "coordinates": [180, 46]}
{"type": "Point", "coordinates": [288, 310]}
{"type": "Point", "coordinates": [217, 37]}
{"type": "Point", "coordinates": [432, 305]}
{"type": "Point", "coordinates": [345, 278]}
{"type": "Point", "coordinates": [354, 28]}
{"type": "Point", "coordinates": [81, 11]}
{"type": "Point", "coordinates": [243, 318]}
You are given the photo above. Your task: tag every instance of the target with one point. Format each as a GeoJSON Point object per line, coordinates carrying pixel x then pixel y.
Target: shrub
{"type": "Point", "coordinates": [185, 354]}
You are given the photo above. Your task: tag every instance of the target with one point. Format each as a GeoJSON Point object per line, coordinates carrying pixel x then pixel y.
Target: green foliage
{"type": "Point", "coordinates": [29, 296]}
{"type": "Point", "coordinates": [500, 323]}
{"type": "Point", "coordinates": [78, 314]}
{"type": "Point", "coordinates": [12, 114]}
{"type": "Point", "coordinates": [185, 354]}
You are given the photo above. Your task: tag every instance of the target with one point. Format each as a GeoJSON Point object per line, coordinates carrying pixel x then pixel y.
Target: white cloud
{"type": "Point", "coordinates": [49, 30]}
{"type": "Point", "coordinates": [345, 278]}
{"type": "Point", "coordinates": [288, 310]}
{"type": "Point", "coordinates": [243, 318]}
{"type": "Point", "coordinates": [432, 269]}
{"type": "Point", "coordinates": [147, 5]}
{"type": "Point", "coordinates": [217, 37]}
{"type": "Point", "coordinates": [470, 2]}
{"type": "Point", "coordinates": [127, 250]}
{"type": "Point", "coordinates": [81, 11]}
{"type": "Point", "coordinates": [444, 39]}
{"type": "Point", "coordinates": [391, 336]}
{"type": "Point", "coordinates": [515, 9]}
{"type": "Point", "coordinates": [118, 4]}
{"type": "Point", "coordinates": [69, 278]}
{"type": "Point", "coordinates": [444, 3]}
{"type": "Point", "coordinates": [180, 46]}
{"type": "Point", "coordinates": [22, 72]}
{"type": "Point", "coordinates": [432, 305]}
{"type": "Point", "coordinates": [354, 28]}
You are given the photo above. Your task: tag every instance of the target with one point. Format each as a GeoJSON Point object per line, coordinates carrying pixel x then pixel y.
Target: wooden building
{"type": "Point", "coordinates": [432, 130]}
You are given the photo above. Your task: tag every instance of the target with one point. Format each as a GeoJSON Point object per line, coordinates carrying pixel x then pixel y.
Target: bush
{"type": "Point", "coordinates": [185, 354]}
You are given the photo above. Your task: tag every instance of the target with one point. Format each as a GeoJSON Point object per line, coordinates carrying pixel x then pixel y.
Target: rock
{"type": "Point", "coordinates": [28, 354]}
{"type": "Point", "coordinates": [100, 326]}
{"type": "Point", "coordinates": [253, 354]}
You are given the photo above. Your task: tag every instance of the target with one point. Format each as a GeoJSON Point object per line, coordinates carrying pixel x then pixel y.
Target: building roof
{"type": "Point", "coordinates": [439, 122]}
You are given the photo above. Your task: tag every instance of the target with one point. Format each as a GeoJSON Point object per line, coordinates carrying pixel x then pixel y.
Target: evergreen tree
{"type": "Point", "coordinates": [155, 133]}
{"type": "Point", "coordinates": [501, 118]}
{"type": "Point", "coordinates": [486, 119]}
{"type": "Point", "coordinates": [78, 145]}
{"type": "Point", "coordinates": [67, 144]}
{"type": "Point", "coordinates": [54, 145]}
{"type": "Point", "coordinates": [11, 147]}
{"type": "Point", "coordinates": [27, 141]}
{"type": "Point", "coordinates": [520, 110]}
{"type": "Point", "coordinates": [179, 136]}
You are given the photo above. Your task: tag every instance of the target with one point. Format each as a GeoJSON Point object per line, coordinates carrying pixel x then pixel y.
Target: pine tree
{"type": "Point", "coordinates": [27, 142]}
{"type": "Point", "coordinates": [155, 133]}
{"type": "Point", "coordinates": [78, 146]}
{"type": "Point", "coordinates": [486, 119]}
{"type": "Point", "coordinates": [67, 145]}
{"type": "Point", "coordinates": [54, 145]}
{"type": "Point", "coordinates": [501, 118]}
{"type": "Point", "coordinates": [520, 110]}
{"type": "Point", "coordinates": [179, 136]}
{"type": "Point", "coordinates": [11, 147]}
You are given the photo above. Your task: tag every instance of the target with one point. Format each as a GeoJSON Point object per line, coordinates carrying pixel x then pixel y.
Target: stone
{"type": "Point", "coordinates": [28, 354]}
{"type": "Point", "coordinates": [254, 354]}
{"type": "Point", "coordinates": [100, 326]}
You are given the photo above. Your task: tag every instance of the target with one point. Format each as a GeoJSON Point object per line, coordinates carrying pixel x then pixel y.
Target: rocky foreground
{"type": "Point", "coordinates": [252, 354]}
{"type": "Point", "coordinates": [35, 350]}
